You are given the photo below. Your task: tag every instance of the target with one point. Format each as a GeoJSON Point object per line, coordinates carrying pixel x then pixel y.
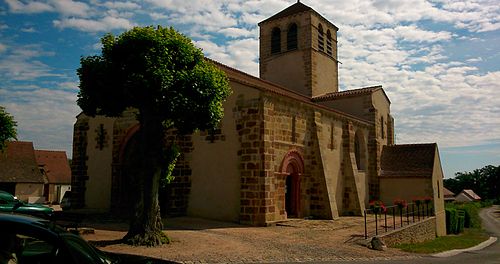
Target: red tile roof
{"type": "Point", "coordinates": [18, 164]}
{"type": "Point", "coordinates": [412, 160]}
{"type": "Point", "coordinates": [55, 164]}
{"type": "Point", "coordinates": [471, 194]}
{"type": "Point", "coordinates": [448, 193]}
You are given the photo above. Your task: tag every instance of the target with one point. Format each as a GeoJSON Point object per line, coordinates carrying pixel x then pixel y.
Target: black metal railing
{"type": "Point", "coordinates": [382, 219]}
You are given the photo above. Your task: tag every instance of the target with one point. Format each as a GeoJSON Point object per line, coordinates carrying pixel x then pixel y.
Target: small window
{"type": "Point", "coordinates": [321, 38]}
{"type": "Point", "coordinates": [382, 130]}
{"type": "Point", "coordinates": [276, 41]}
{"type": "Point", "coordinates": [329, 49]}
{"type": "Point", "coordinates": [291, 37]}
{"type": "Point", "coordinates": [294, 129]}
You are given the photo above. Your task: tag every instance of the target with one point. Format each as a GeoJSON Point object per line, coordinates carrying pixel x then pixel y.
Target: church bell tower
{"type": "Point", "coordinates": [298, 50]}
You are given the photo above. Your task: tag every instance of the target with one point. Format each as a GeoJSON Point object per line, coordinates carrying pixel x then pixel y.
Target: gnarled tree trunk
{"type": "Point", "coordinates": [146, 226]}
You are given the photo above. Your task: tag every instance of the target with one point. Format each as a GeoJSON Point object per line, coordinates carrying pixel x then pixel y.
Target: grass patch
{"type": "Point", "coordinates": [469, 238]}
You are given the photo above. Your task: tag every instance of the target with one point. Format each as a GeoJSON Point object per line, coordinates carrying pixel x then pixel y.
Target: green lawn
{"type": "Point", "coordinates": [469, 238]}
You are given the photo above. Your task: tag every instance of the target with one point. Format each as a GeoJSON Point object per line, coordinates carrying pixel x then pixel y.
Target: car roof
{"type": "Point", "coordinates": [24, 221]}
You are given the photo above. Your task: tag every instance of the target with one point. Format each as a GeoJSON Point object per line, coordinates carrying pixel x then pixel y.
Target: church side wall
{"type": "Point", "coordinates": [99, 151]}
{"type": "Point", "coordinates": [215, 190]}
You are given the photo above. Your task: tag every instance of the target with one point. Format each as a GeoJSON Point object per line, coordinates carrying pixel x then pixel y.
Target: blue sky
{"type": "Point", "coordinates": [438, 60]}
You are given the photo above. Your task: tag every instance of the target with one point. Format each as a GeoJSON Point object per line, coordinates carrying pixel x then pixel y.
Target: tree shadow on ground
{"type": "Point", "coordinates": [105, 243]}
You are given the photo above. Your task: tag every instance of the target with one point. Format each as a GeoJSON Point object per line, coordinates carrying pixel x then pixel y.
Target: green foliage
{"type": "Point", "coordinates": [485, 182]}
{"type": "Point", "coordinates": [7, 128]}
{"type": "Point", "coordinates": [460, 222]}
{"type": "Point", "coordinates": [471, 211]}
{"type": "Point", "coordinates": [451, 220]}
{"type": "Point", "coordinates": [171, 154]}
{"type": "Point", "coordinates": [157, 71]}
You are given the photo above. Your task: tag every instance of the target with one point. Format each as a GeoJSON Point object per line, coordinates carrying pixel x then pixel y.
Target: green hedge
{"type": "Point", "coordinates": [460, 222]}
{"type": "Point", "coordinates": [471, 217]}
{"type": "Point", "coordinates": [451, 220]}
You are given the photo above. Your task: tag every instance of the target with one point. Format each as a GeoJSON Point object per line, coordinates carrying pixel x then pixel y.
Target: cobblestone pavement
{"type": "Point", "coordinates": [204, 241]}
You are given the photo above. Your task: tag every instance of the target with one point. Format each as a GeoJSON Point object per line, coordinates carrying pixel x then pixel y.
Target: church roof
{"type": "Point", "coordinates": [18, 163]}
{"type": "Point", "coordinates": [55, 164]}
{"type": "Point", "coordinates": [296, 9]}
{"type": "Point", "coordinates": [411, 160]}
{"type": "Point", "coordinates": [348, 93]}
{"type": "Point", "coordinates": [267, 86]}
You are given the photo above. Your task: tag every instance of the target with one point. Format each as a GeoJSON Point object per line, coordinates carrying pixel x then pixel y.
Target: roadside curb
{"type": "Point", "coordinates": [454, 252]}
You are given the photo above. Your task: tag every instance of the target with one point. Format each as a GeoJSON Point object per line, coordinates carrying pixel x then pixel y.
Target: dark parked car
{"type": "Point", "coordinates": [9, 203]}
{"type": "Point", "coordinates": [27, 239]}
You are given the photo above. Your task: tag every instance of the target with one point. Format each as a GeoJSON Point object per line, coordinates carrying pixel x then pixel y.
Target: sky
{"type": "Point", "coordinates": [437, 60]}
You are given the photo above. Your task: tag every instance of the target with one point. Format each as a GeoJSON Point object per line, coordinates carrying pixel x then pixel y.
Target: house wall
{"type": "Point", "coordinates": [399, 188]}
{"type": "Point", "coordinates": [25, 191]}
{"type": "Point", "coordinates": [438, 195]}
{"type": "Point", "coordinates": [462, 198]}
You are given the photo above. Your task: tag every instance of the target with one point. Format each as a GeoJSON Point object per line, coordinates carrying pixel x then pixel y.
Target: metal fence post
{"type": "Point", "coordinates": [376, 224]}
{"type": "Point", "coordinates": [366, 233]}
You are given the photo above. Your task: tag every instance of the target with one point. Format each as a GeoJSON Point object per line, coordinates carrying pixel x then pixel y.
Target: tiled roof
{"type": "Point", "coordinates": [471, 194]}
{"type": "Point", "coordinates": [267, 86]}
{"type": "Point", "coordinates": [296, 9]}
{"type": "Point", "coordinates": [448, 193]}
{"type": "Point", "coordinates": [412, 160]}
{"type": "Point", "coordinates": [55, 164]}
{"type": "Point", "coordinates": [18, 164]}
{"type": "Point", "coordinates": [349, 93]}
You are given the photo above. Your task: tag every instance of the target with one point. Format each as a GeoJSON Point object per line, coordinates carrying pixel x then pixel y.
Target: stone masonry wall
{"type": "Point", "coordinates": [79, 162]}
{"type": "Point", "coordinates": [414, 233]}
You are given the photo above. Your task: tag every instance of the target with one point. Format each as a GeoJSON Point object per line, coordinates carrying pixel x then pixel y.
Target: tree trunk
{"type": "Point", "coordinates": [146, 226]}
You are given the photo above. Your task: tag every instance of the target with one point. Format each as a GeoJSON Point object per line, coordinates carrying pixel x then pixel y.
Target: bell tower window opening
{"type": "Point", "coordinates": [291, 37]}
{"type": "Point", "coordinates": [382, 131]}
{"type": "Point", "coordinates": [276, 40]}
{"type": "Point", "coordinates": [329, 49]}
{"type": "Point", "coordinates": [321, 38]}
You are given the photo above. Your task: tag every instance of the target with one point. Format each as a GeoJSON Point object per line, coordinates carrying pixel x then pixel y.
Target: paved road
{"type": "Point", "coordinates": [489, 255]}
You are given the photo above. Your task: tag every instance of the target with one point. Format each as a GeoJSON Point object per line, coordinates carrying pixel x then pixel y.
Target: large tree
{"type": "Point", "coordinates": [7, 128]}
{"type": "Point", "coordinates": [161, 74]}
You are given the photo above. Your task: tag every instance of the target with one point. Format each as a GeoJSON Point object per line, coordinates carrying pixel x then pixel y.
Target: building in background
{"type": "Point", "coordinates": [19, 173]}
{"type": "Point", "coordinates": [55, 167]}
{"type": "Point", "coordinates": [467, 195]}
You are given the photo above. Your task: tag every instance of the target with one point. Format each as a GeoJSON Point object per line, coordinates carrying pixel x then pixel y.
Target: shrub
{"type": "Point", "coordinates": [460, 222]}
{"type": "Point", "coordinates": [451, 220]}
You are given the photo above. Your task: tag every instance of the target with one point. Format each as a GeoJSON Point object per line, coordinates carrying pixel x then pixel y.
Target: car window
{"type": "Point", "coordinates": [80, 250]}
{"type": "Point", "coordinates": [21, 248]}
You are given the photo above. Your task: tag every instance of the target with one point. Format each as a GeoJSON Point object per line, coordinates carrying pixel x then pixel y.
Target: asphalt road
{"type": "Point", "coordinates": [488, 255]}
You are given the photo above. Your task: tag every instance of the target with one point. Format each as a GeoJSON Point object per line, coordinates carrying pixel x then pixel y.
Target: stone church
{"type": "Point", "coordinates": [291, 145]}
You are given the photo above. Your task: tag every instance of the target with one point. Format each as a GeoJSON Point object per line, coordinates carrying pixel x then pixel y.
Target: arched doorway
{"type": "Point", "coordinates": [292, 168]}
{"type": "Point", "coordinates": [130, 169]}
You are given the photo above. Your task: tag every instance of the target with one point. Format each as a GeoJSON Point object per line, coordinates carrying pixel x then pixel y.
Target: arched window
{"type": "Point", "coordinates": [291, 37]}
{"type": "Point", "coordinates": [321, 38]}
{"type": "Point", "coordinates": [276, 40]}
{"type": "Point", "coordinates": [329, 49]}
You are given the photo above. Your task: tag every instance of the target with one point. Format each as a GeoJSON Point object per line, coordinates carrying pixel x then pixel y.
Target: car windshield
{"type": "Point", "coordinates": [81, 250]}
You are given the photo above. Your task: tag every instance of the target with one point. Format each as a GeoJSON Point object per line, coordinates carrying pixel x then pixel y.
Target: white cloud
{"type": "Point", "coordinates": [71, 8]}
{"type": "Point", "coordinates": [122, 5]}
{"type": "Point", "coordinates": [157, 16]}
{"type": "Point", "coordinates": [17, 6]}
{"type": "Point", "coordinates": [236, 32]}
{"type": "Point", "coordinates": [88, 25]}
{"type": "Point", "coordinates": [21, 63]}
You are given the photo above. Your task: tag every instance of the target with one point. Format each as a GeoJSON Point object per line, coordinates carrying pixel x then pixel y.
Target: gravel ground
{"type": "Point", "coordinates": [204, 241]}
